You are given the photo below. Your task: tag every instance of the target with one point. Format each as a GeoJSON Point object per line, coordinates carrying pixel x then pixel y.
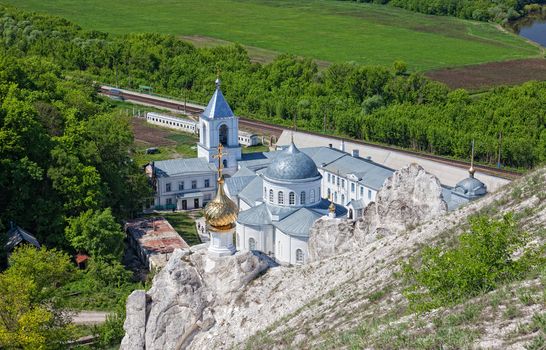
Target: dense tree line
{"type": "Point", "coordinates": [373, 103]}
{"type": "Point", "coordinates": [62, 153]}
{"type": "Point", "coordinates": [480, 10]}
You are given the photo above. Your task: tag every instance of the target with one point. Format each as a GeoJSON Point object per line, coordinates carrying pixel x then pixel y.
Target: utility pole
{"type": "Point", "coordinates": [500, 147]}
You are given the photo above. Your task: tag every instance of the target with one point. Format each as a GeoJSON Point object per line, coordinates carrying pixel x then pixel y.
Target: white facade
{"type": "Point", "coordinates": [185, 191]}
{"type": "Point", "coordinates": [344, 188]}
{"type": "Point", "coordinates": [248, 139]}
{"type": "Point", "coordinates": [168, 121]}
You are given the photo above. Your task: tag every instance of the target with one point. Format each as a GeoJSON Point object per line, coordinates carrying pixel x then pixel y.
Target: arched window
{"type": "Point", "coordinates": [335, 197]}
{"type": "Point", "coordinates": [280, 197]}
{"type": "Point", "coordinates": [299, 256]}
{"type": "Point", "coordinates": [302, 198]}
{"type": "Point", "coordinates": [224, 162]}
{"type": "Point", "coordinates": [343, 199]}
{"type": "Point", "coordinates": [312, 196]}
{"type": "Point", "coordinates": [350, 213]}
{"type": "Point", "coordinates": [329, 193]}
{"type": "Point", "coordinates": [223, 134]}
{"type": "Point", "coordinates": [251, 244]}
{"type": "Point", "coordinates": [292, 198]}
{"type": "Point", "coordinates": [270, 196]}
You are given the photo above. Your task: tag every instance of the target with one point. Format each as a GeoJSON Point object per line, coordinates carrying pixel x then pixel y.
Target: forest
{"type": "Point", "coordinates": [480, 10]}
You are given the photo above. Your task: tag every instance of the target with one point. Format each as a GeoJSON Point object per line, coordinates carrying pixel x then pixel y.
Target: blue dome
{"type": "Point", "coordinates": [471, 187]}
{"type": "Point", "coordinates": [292, 164]}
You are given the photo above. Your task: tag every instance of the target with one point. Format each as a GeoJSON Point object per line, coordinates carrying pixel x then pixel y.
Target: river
{"type": "Point", "coordinates": [532, 28]}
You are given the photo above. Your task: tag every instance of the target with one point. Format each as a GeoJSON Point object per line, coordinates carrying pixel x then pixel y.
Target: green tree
{"type": "Point", "coordinates": [97, 233]}
{"type": "Point", "coordinates": [28, 316]}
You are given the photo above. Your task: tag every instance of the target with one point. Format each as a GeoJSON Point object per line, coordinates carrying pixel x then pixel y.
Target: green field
{"type": "Point", "coordinates": [326, 30]}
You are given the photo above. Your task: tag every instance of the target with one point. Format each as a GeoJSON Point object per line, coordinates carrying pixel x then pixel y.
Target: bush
{"type": "Point", "coordinates": [482, 259]}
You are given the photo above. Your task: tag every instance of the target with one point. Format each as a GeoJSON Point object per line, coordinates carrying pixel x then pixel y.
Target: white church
{"type": "Point", "coordinates": [278, 194]}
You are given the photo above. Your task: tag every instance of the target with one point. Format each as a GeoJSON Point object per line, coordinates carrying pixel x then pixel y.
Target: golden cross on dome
{"type": "Point", "coordinates": [219, 157]}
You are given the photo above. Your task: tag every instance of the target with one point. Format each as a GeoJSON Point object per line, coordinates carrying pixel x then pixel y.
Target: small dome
{"type": "Point", "coordinates": [471, 187]}
{"type": "Point", "coordinates": [292, 164]}
{"type": "Point", "coordinates": [221, 212]}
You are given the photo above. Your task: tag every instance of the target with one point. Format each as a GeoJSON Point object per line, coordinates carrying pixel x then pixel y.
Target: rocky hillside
{"type": "Point", "coordinates": [351, 295]}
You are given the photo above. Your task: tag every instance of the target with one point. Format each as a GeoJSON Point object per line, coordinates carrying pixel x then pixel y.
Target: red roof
{"type": "Point", "coordinates": [81, 258]}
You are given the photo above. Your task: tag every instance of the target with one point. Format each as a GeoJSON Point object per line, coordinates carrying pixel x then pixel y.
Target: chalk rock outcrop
{"type": "Point", "coordinates": [408, 198]}
{"type": "Point", "coordinates": [183, 297]}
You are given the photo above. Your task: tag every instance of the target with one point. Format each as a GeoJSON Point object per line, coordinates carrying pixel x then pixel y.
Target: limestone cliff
{"type": "Point", "coordinates": [349, 300]}
{"type": "Point", "coordinates": [408, 198]}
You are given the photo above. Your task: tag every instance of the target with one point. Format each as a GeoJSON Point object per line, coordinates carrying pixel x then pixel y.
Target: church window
{"type": "Point", "coordinates": [251, 244]}
{"type": "Point", "coordinates": [329, 194]}
{"type": "Point", "coordinates": [223, 134]}
{"type": "Point", "coordinates": [343, 199]}
{"type": "Point", "coordinates": [342, 183]}
{"type": "Point", "coordinates": [302, 198]}
{"type": "Point", "coordinates": [299, 256]}
{"type": "Point", "coordinates": [329, 177]}
{"type": "Point", "coordinates": [193, 184]}
{"type": "Point", "coordinates": [207, 183]}
{"type": "Point", "coordinates": [353, 187]}
{"type": "Point", "coordinates": [361, 191]}
{"type": "Point", "coordinates": [168, 187]}
{"type": "Point", "coordinates": [292, 198]}
{"type": "Point", "coordinates": [312, 196]}
{"type": "Point", "coordinates": [270, 196]}
{"type": "Point", "coordinates": [335, 197]}
{"type": "Point", "coordinates": [369, 194]}
{"type": "Point", "coordinates": [280, 197]}
{"type": "Point", "coordinates": [181, 186]}
{"type": "Point", "coordinates": [338, 180]}
{"type": "Point", "coordinates": [333, 179]}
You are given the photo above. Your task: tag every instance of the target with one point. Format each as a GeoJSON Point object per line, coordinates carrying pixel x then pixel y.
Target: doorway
{"type": "Point", "coordinates": [196, 203]}
{"type": "Point", "coordinates": [184, 204]}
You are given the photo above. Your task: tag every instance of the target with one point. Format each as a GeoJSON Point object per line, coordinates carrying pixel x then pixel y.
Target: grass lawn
{"type": "Point", "coordinates": [328, 30]}
{"type": "Point", "coordinates": [252, 149]}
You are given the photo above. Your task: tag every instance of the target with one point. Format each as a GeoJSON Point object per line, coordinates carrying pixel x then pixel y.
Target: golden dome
{"type": "Point", "coordinates": [221, 212]}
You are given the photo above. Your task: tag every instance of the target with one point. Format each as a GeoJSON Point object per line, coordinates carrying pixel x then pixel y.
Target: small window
{"type": "Point", "coordinates": [168, 187]}
{"type": "Point", "coordinates": [329, 194]}
{"type": "Point", "coordinates": [369, 194]}
{"type": "Point", "coordinates": [353, 187]}
{"type": "Point", "coordinates": [207, 183]}
{"type": "Point", "coordinates": [169, 201]}
{"type": "Point", "coordinates": [251, 244]}
{"type": "Point", "coordinates": [280, 197]}
{"type": "Point", "coordinates": [362, 191]}
{"type": "Point", "coordinates": [312, 196]}
{"type": "Point", "coordinates": [181, 186]}
{"type": "Point", "coordinates": [342, 183]}
{"type": "Point", "coordinates": [333, 179]}
{"type": "Point", "coordinates": [299, 256]}
{"type": "Point", "coordinates": [193, 184]}
{"type": "Point", "coordinates": [343, 199]}
{"type": "Point", "coordinates": [329, 177]}
{"type": "Point", "coordinates": [335, 197]}
{"type": "Point", "coordinates": [337, 181]}
{"type": "Point", "coordinates": [302, 198]}
{"type": "Point", "coordinates": [270, 196]}
{"type": "Point", "coordinates": [292, 198]}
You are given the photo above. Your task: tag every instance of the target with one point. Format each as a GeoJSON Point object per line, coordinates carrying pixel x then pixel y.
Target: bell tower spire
{"type": "Point", "coordinates": [219, 126]}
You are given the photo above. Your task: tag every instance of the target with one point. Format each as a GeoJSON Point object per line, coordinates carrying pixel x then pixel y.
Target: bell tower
{"type": "Point", "coordinates": [219, 126]}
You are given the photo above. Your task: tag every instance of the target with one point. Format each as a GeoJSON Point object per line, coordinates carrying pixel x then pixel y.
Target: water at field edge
{"type": "Point", "coordinates": [532, 28]}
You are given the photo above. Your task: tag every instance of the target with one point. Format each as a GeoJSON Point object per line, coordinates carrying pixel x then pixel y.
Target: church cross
{"type": "Point", "coordinates": [219, 157]}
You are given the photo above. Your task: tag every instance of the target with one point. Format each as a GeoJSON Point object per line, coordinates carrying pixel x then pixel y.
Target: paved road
{"type": "Point", "coordinates": [90, 317]}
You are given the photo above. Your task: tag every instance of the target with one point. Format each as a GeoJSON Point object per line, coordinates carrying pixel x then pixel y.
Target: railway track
{"type": "Point", "coordinates": [277, 130]}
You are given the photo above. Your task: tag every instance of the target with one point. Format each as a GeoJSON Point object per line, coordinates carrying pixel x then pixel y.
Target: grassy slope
{"type": "Point", "coordinates": [321, 29]}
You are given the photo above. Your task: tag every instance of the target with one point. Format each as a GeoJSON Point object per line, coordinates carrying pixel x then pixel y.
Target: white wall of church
{"type": "Point", "coordinates": [287, 247]}
{"type": "Point", "coordinates": [311, 189]}
{"type": "Point", "coordinates": [262, 236]}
